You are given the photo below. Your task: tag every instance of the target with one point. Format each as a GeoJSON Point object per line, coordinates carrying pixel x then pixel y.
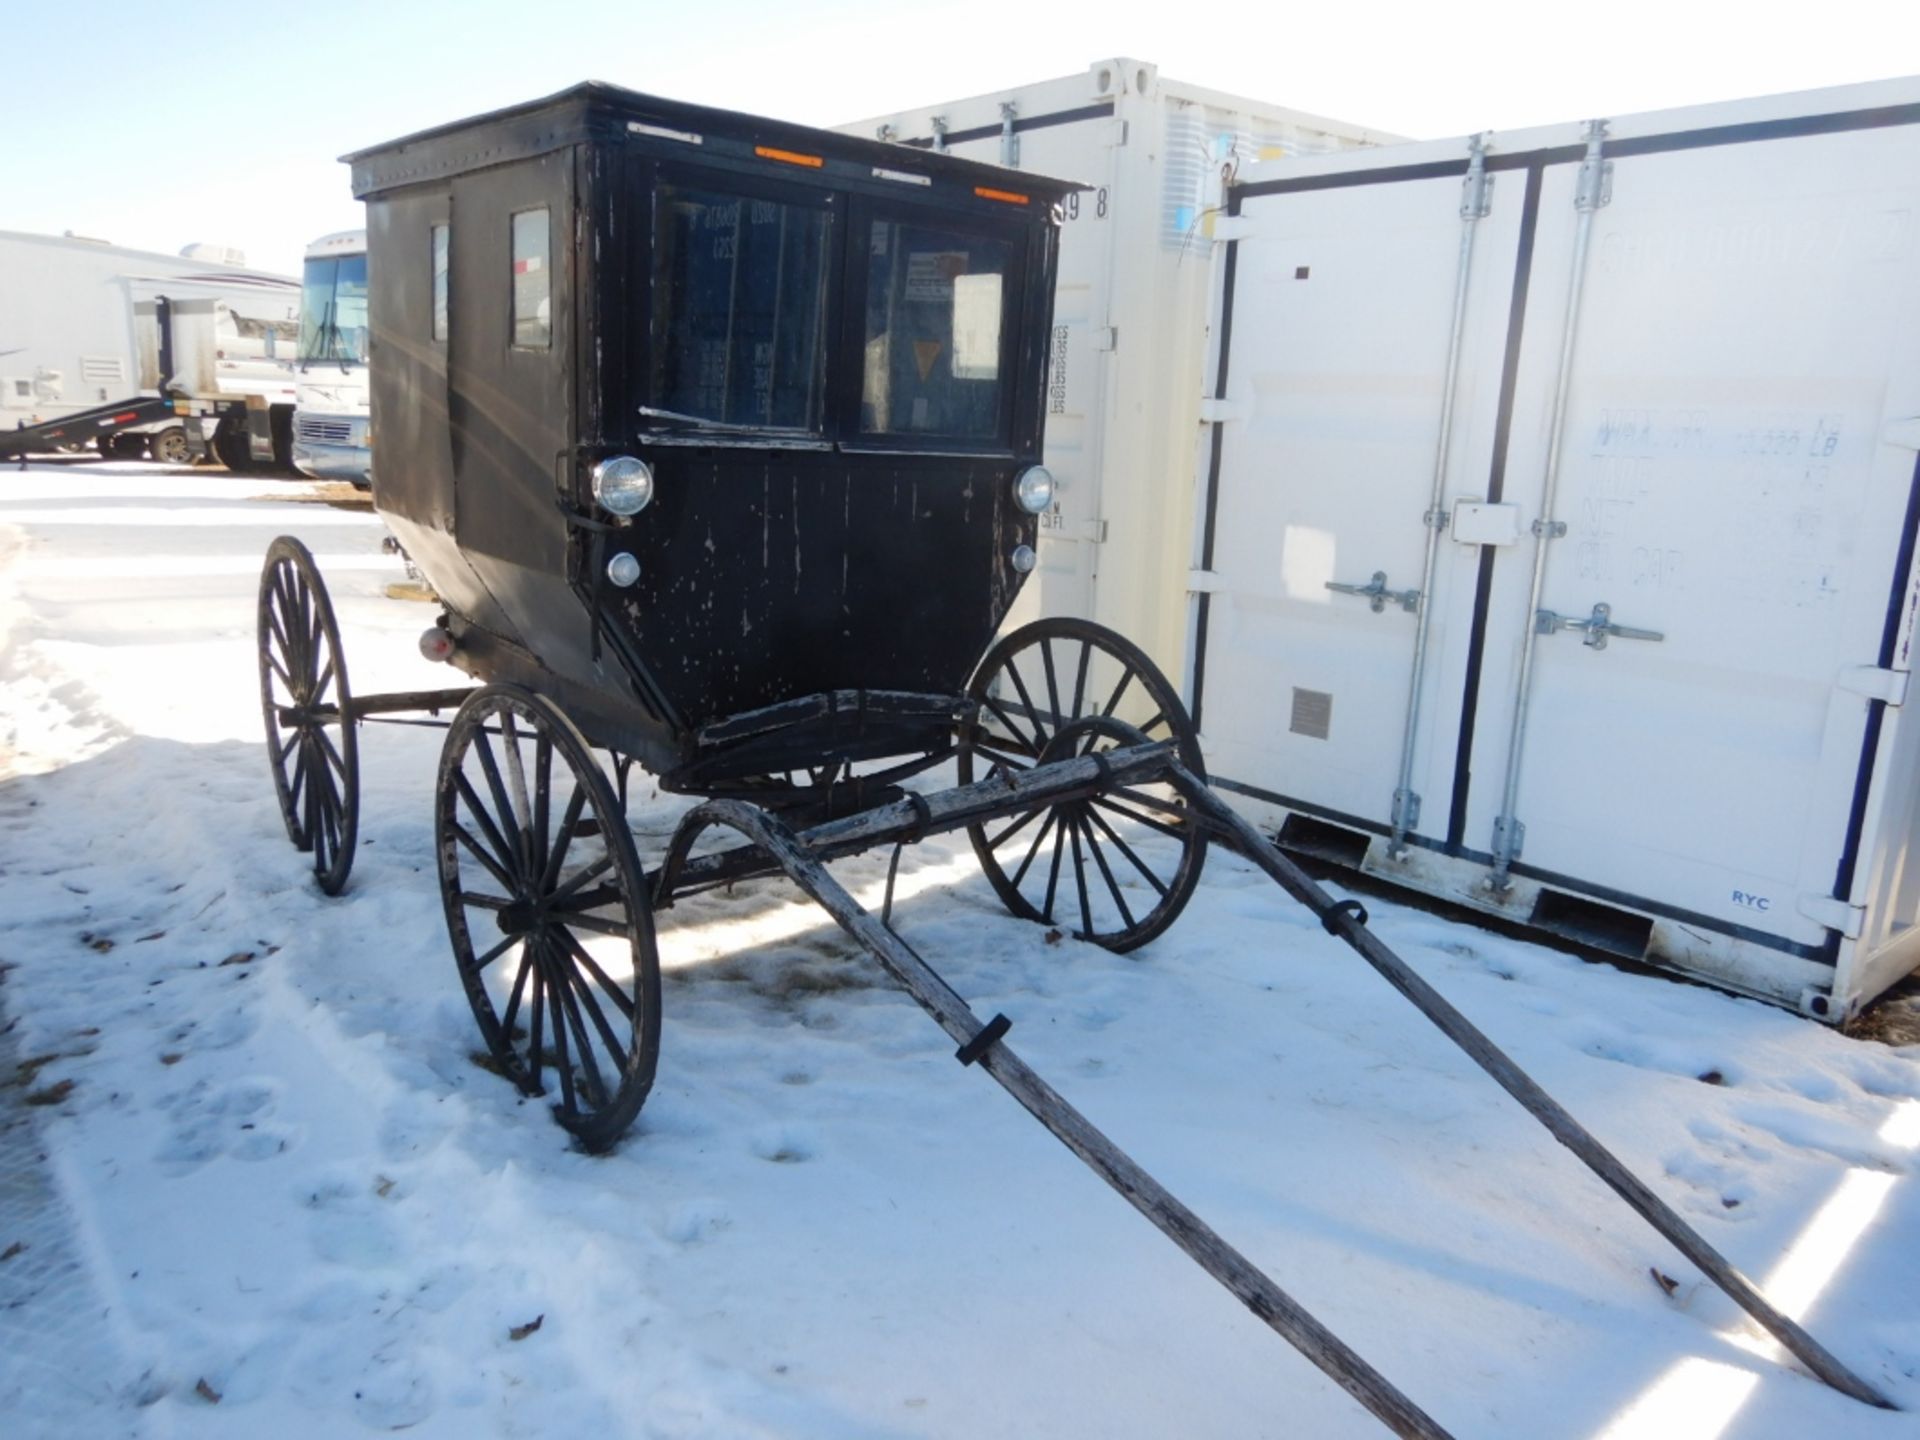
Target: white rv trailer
{"type": "Point", "coordinates": [1124, 376]}
{"type": "Point", "coordinates": [330, 421]}
{"type": "Point", "coordinates": [81, 341]}
{"type": "Point", "coordinates": [1557, 529]}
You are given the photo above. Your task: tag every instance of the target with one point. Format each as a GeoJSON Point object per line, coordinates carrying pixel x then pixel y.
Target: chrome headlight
{"type": "Point", "coordinates": [623, 569]}
{"type": "Point", "coordinates": [1023, 558]}
{"type": "Point", "coordinates": [1033, 489]}
{"type": "Point", "coordinates": [623, 484]}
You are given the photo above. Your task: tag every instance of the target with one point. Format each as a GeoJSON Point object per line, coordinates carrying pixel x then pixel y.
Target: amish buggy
{"type": "Point", "coordinates": [719, 438]}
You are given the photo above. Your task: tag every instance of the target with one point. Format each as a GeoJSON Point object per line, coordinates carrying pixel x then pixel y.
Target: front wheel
{"type": "Point", "coordinates": [308, 710]}
{"type": "Point", "coordinates": [548, 911]}
{"type": "Point", "coordinates": [1116, 868]}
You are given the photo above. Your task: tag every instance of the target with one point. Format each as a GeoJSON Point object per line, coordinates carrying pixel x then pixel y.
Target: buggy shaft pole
{"type": "Point", "coordinates": [1240, 1276]}
{"type": "Point", "coordinates": [1232, 829]}
{"type": "Point", "coordinates": [997, 795]}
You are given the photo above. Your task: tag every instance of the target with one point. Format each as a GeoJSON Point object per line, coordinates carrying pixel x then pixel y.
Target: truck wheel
{"type": "Point", "coordinates": [230, 445]}
{"type": "Point", "coordinates": [280, 420]}
{"type": "Point", "coordinates": [169, 446]}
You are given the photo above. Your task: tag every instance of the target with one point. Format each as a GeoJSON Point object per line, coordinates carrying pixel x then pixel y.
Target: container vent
{"type": "Point", "coordinates": [1312, 713]}
{"type": "Point", "coordinates": [102, 370]}
{"type": "Point", "coordinates": [1308, 836]}
{"type": "Point", "coordinates": [1604, 927]}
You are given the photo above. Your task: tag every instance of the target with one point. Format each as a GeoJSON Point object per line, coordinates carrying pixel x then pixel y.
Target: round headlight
{"type": "Point", "coordinates": [1023, 558]}
{"type": "Point", "coordinates": [623, 484]}
{"type": "Point", "coordinates": [1034, 489]}
{"type": "Point", "coordinates": [623, 569]}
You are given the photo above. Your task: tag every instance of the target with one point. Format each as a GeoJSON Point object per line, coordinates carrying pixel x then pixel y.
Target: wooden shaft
{"type": "Point", "coordinates": [1179, 1224]}
{"type": "Point", "coordinates": [1234, 831]}
{"type": "Point", "coordinates": [999, 794]}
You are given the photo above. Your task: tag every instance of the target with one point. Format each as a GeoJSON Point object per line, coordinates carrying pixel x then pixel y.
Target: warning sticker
{"type": "Point", "coordinates": [930, 274]}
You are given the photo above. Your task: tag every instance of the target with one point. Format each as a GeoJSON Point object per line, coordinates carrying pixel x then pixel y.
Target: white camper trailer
{"type": "Point", "coordinates": [331, 439]}
{"type": "Point", "coordinates": [1129, 314]}
{"type": "Point", "coordinates": [125, 348]}
{"type": "Point", "coordinates": [1557, 530]}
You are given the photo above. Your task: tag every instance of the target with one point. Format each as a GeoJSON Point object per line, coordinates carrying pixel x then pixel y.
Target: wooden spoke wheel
{"type": "Point", "coordinates": [547, 909]}
{"type": "Point", "coordinates": [1115, 869]}
{"type": "Point", "coordinates": [303, 693]}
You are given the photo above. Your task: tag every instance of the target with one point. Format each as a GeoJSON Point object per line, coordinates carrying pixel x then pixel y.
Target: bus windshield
{"type": "Point", "coordinates": [333, 309]}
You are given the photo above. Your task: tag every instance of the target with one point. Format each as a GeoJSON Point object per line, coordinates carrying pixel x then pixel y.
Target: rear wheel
{"type": "Point", "coordinates": [231, 446]}
{"type": "Point", "coordinates": [548, 912]}
{"type": "Point", "coordinates": [169, 446]}
{"type": "Point", "coordinates": [1116, 868]}
{"type": "Point", "coordinates": [304, 696]}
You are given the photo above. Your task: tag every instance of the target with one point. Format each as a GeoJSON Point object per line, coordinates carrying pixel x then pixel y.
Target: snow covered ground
{"type": "Point", "coordinates": [262, 1189]}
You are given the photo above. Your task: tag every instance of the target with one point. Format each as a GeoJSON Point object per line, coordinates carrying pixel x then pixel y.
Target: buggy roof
{"type": "Point", "coordinates": [597, 110]}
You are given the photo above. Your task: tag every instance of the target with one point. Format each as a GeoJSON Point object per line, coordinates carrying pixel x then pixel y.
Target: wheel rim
{"type": "Point", "coordinates": [547, 909]}
{"type": "Point", "coordinates": [1116, 868]}
{"type": "Point", "coordinates": [304, 697]}
{"type": "Point", "coordinates": [171, 448]}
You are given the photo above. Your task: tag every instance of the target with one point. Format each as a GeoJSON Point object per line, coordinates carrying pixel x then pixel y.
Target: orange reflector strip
{"type": "Point", "coordinates": [788, 157]}
{"type": "Point", "coordinates": [123, 419]}
{"type": "Point", "coordinates": [1009, 196]}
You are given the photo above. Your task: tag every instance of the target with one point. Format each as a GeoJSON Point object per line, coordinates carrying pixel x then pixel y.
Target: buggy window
{"type": "Point", "coordinates": [532, 281]}
{"type": "Point", "coordinates": [935, 305]}
{"type": "Point", "coordinates": [741, 290]}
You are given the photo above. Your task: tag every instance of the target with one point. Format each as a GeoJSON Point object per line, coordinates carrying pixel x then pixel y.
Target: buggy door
{"type": "Point", "coordinates": [511, 359]}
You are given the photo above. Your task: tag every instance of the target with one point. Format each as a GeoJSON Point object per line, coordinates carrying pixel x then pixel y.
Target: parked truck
{"type": "Point", "coordinates": [331, 440]}
{"type": "Point", "coordinates": [142, 354]}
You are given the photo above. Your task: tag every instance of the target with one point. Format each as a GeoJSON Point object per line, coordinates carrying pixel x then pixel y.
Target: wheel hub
{"type": "Point", "coordinates": [520, 918]}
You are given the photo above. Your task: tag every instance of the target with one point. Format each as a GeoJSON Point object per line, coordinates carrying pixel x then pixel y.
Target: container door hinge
{"type": "Point", "coordinates": [1117, 136]}
{"type": "Point", "coordinates": [1904, 433]}
{"type": "Point", "coordinates": [1233, 227]}
{"type": "Point", "coordinates": [1104, 337]}
{"type": "Point", "coordinates": [1204, 582]}
{"type": "Point", "coordinates": [1874, 683]}
{"type": "Point", "coordinates": [1094, 532]}
{"type": "Point", "coordinates": [1218, 412]}
{"type": "Point", "coordinates": [1509, 839]}
{"type": "Point", "coordinates": [1595, 188]}
{"type": "Point", "coordinates": [1406, 809]}
{"type": "Point", "coordinates": [1837, 915]}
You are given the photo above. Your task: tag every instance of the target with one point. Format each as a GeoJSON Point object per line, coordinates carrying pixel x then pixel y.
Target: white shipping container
{"type": "Point", "coordinates": [1556, 548]}
{"type": "Point", "coordinates": [1129, 312]}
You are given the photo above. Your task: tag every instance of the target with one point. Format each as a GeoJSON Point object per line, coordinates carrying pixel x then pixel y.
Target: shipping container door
{"type": "Point", "coordinates": [1342, 306]}
{"type": "Point", "coordinates": [1728, 492]}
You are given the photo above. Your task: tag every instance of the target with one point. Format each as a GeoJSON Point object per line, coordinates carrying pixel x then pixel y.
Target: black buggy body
{"type": "Point", "coordinates": [828, 352]}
